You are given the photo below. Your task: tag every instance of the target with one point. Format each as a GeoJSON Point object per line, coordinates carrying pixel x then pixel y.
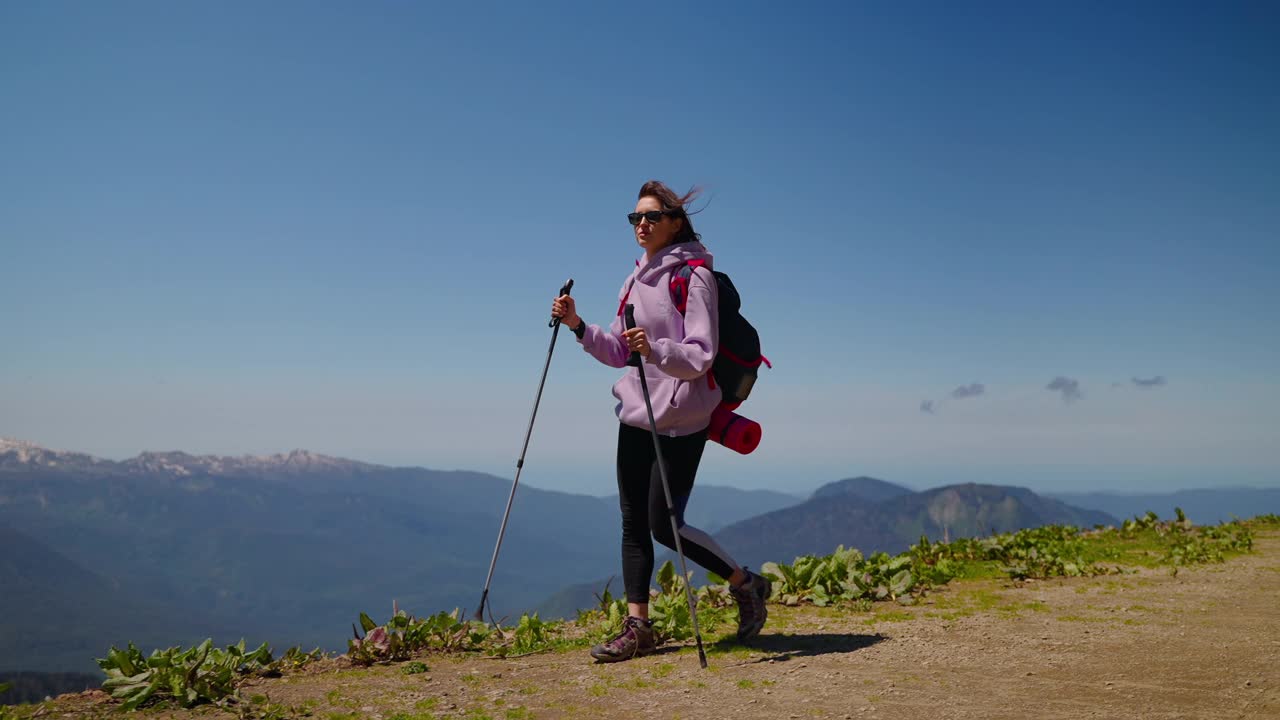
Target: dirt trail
{"type": "Point", "coordinates": [1203, 644]}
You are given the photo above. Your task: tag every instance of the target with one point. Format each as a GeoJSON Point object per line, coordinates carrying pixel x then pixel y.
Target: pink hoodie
{"type": "Point", "coordinates": [677, 370]}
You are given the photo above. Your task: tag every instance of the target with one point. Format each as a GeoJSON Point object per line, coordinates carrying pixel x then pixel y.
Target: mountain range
{"type": "Point", "coordinates": [285, 548]}
{"type": "Point", "coordinates": [168, 547]}
{"type": "Point", "coordinates": [831, 518]}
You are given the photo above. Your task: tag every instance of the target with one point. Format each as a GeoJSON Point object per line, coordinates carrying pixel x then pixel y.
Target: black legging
{"type": "Point", "coordinates": [644, 506]}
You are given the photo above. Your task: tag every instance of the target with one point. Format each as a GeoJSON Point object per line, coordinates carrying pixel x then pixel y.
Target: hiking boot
{"type": "Point", "coordinates": [752, 611]}
{"type": "Point", "coordinates": [635, 639]}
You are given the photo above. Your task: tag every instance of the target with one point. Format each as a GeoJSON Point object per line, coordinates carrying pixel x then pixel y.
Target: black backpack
{"type": "Point", "coordinates": [738, 358]}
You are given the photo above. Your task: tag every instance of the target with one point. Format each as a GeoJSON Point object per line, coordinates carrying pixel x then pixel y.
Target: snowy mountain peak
{"type": "Point", "coordinates": [16, 445]}
{"type": "Point", "coordinates": [24, 450]}
{"type": "Point", "coordinates": [21, 454]}
{"type": "Point", "coordinates": [296, 462]}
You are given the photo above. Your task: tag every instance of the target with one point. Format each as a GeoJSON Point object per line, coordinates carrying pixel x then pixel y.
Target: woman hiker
{"type": "Point", "coordinates": [678, 352]}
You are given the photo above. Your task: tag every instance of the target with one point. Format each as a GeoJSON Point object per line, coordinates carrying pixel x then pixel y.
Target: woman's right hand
{"type": "Point", "coordinates": [566, 309]}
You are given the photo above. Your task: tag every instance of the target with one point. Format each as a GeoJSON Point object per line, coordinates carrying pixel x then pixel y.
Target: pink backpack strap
{"type": "Point", "coordinates": [680, 279]}
{"type": "Point", "coordinates": [680, 283]}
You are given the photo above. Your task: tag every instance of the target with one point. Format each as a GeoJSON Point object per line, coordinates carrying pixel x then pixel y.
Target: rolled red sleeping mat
{"type": "Point", "coordinates": [734, 431]}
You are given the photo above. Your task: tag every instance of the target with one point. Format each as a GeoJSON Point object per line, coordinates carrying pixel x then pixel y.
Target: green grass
{"type": "Point", "coordinates": [1017, 608]}
{"type": "Point", "coordinates": [1146, 549]}
{"type": "Point", "coordinates": [662, 670]}
{"type": "Point", "coordinates": [1265, 522]}
{"type": "Point", "coordinates": [980, 570]}
{"type": "Point", "coordinates": [965, 600]}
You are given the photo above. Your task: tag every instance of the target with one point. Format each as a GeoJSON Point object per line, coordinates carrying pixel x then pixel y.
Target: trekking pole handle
{"type": "Point", "coordinates": [630, 318]}
{"type": "Point", "coordinates": [564, 290]}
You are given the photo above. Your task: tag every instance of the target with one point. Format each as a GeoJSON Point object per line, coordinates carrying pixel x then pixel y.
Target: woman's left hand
{"type": "Point", "coordinates": [637, 341]}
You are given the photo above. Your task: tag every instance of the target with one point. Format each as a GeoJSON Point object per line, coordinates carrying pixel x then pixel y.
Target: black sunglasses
{"type": "Point", "coordinates": [653, 216]}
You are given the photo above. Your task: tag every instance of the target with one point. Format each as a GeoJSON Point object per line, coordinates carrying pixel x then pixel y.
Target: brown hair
{"type": "Point", "coordinates": [674, 205]}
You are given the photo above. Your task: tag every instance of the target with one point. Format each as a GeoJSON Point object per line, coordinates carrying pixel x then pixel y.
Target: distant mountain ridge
{"type": "Point", "coordinates": [24, 455]}
{"type": "Point", "coordinates": [829, 519]}
{"type": "Point", "coordinates": [284, 548]}
{"type": "Point", "coordinates": [866, 488]}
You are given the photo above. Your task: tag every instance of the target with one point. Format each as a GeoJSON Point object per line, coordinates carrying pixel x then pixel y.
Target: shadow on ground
{"type": "Point", "coordinates": [778, 648]}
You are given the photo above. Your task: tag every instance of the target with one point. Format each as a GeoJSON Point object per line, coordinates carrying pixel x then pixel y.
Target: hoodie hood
{"type": "Point", "coordinates": [657, 267]}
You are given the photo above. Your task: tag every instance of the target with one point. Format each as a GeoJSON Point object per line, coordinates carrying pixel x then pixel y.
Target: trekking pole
{"type": "Point", "coordinates": [637, 362]}
{"type": "Point", "coordinates": [502, 529]}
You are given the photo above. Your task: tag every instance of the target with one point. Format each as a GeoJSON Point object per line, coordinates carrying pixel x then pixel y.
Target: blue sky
{"type": "Point", "coordinates": [244, 228]}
